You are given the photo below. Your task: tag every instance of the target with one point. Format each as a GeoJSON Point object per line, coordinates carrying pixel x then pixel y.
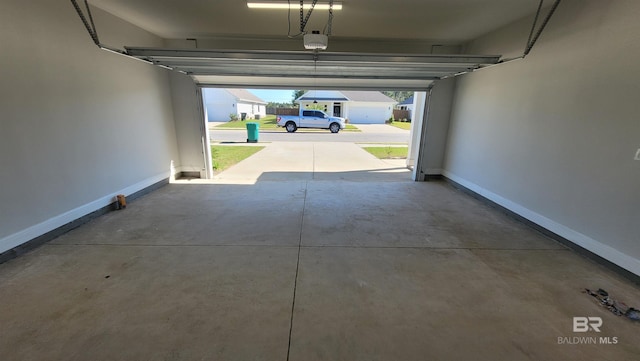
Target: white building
{"type": "Point", "coordinates": [360, 107]}
{"type": "Point", "coordinates": [221, 103]}
{"type": "Point", "coordinates": [407, 104]}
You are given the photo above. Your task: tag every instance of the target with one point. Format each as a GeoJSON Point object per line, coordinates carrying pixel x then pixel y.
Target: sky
{"type": "Point", "coordinates": [271, 95]}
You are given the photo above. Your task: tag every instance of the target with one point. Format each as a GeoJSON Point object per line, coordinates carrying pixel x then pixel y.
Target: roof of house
{"type": "Point", "coordinates": [367, 96]}
{"type": "Point", "coordinates": [245, 95]}
{"type": "Point", "coordinates": [323, 95]}
{"type": "Point", "coordinates": [346, 95]}
{"type": "Point", "coordinates": [407, 101]}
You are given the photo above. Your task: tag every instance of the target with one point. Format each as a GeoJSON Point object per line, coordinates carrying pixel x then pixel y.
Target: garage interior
{"type": "Point", "coordinates": [533, 166]}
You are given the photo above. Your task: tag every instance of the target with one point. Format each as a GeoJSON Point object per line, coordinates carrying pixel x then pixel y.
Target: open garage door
{"type": "Point", "coordinates": [314, 69]}
{"type": "Point", "coordinates": [326, 70]}
{"type": "Point", "coordinates": [299, 69]}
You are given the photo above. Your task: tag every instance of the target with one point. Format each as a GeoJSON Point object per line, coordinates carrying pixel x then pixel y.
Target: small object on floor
{"type": "Point", "coordinates": [122, 201]}
{"type": "Point", "coordinates": [633, 314]}
{"type": "Point", "coordinates": [602, 292]}
{"type": "Point", "coordinates": [616, 307]}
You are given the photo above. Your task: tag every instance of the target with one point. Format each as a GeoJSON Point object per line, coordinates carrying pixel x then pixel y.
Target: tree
{"type": "Point", "coordinates": [297, 94]}
{"type": "Point", "coordinates": [278, 105]}
{"type": "Point", "coordinates": [398, 96]}
{"type": "Point", "coordinates": [315, 106]}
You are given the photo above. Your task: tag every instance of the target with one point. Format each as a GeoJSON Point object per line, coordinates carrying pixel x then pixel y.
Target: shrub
{"type": "Point", "coordinates": [233, 117]}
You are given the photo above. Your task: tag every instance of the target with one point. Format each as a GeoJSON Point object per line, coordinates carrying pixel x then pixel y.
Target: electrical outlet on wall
{"type": "Point", "coordinates": [637, 155]}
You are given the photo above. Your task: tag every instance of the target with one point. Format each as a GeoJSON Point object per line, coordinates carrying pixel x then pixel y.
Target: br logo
{"type": "Point", "coordinates": [586, 324]}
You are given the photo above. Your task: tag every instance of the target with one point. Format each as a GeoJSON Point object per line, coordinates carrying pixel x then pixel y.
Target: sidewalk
{"type": "Point", "coordinates": [211, 125]}
{"type": "Point", "coordinates": [380, 128]}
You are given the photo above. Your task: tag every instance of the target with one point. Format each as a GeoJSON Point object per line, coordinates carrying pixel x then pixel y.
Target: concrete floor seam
{"type": "Point", "coordinates": [443, 248]}
{"type": "Point", "coordinates": [295, 282]}
{"type": "Point", "coordinates": [313, 167]}
{"type": "Point", "coordinates": [301, 246]}
{"type": "Point", "coordinates": [170, 245]}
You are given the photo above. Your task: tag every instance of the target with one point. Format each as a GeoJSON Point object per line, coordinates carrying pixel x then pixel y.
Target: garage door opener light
{"type": "Point", "coordinates": [290, 5]}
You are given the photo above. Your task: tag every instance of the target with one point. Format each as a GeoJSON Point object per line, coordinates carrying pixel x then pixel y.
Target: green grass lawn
{"type": "Point", "coordinates": [402, 125]}
{"type": "Point", "coordinates": [388, 152]}
{"type": "Point", "coordinates": [224, 156]}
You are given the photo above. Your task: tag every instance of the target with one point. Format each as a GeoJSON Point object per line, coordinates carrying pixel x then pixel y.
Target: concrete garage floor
{"type": "Point", "coordinates": [307, 269]}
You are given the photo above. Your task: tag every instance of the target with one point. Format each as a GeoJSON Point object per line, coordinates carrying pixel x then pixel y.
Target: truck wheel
{"type": "Point", "coordinates": [334, 127]}
{"type": "Point", "coordinates": [291, 127]}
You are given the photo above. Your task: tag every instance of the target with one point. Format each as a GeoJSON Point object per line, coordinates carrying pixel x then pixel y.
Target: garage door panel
{"type": "Point", "coordinates": [367, 115]}
{"type": "Point", "coordinates": [324, 70]}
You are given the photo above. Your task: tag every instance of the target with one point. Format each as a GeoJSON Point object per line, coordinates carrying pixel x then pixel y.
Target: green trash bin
{"type": "Point", "coordinates": [252, 132]}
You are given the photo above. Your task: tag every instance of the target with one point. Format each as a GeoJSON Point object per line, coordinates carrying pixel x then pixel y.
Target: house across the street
{"type": "Point", "coordinates": [221, 103]}
{"type": "Point", "coordinates": [360, 107]}
{"type": "Point", "coordinates": [406, 104]}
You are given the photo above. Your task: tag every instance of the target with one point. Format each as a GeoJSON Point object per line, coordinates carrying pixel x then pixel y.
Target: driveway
{"type": "Point", "coordinates": [315, 155]}
{"type": "Point", "coordinates": [294, 161]}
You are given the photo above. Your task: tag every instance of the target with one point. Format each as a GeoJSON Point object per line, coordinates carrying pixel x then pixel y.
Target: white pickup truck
{"type": "Point", "coordinates": [310, 119]}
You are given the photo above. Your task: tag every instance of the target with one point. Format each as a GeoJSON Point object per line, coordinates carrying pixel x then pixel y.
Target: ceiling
{"type": "Point", "coordinates": [448, 21]}
{"type": "Point", "coordinates": [366, 38]}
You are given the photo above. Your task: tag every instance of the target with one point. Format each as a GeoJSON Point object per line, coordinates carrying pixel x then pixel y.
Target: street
{"type": "Point", "coordinates": [369, 134]}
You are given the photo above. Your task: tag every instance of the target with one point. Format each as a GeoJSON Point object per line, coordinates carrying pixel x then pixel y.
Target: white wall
{"type": "Point", "coordinates": [429, 129]}
{"type": "Point", "coordinates": [417, 116]}
{"type": "Point", "coordinates": [77, 124]}
{"type": "Point", "coordinates": [408, 107]}
{"type": "Point", "coordinates": [188, 111]}
{"type": "Point", "coordinates": [220, 103]}
{"type": "Point", "coordinates": [249, 108]}
{"type": "Point", "coordinates": [262, 110]}
{"type": "Point", "coordinates": [553, 136]}
{"type": "Point", "coordinates": [436, 126]}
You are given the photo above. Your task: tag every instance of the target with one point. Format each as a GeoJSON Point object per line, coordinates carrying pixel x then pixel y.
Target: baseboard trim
{"type": "Point", "coordinates": [34, 236]}
{"type": "Point", "coordinates": [610, 257]}
{"type": "Point", "coordinates": [433, 171]}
